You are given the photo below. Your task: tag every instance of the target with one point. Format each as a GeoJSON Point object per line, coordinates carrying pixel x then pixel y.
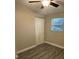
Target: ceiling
{"type": "Point", "coordinates": [46, 11]}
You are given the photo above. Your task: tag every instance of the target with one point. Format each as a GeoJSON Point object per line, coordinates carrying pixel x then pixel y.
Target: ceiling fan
{"type": "Point", "coordinates": [46, 3]}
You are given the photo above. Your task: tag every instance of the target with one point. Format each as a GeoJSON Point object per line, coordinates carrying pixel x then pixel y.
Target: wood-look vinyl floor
{"type": "Point", "coordinates": [43, 51]}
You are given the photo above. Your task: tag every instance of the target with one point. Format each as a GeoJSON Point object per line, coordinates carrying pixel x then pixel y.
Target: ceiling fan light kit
{"type": "Point", "coordinates": [46, 3]}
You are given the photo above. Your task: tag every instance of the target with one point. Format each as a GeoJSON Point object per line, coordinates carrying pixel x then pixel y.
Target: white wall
{"type": "Point", "coordinates": [25, 27]}
{"type": "Point", "coordinates": [53, 37]}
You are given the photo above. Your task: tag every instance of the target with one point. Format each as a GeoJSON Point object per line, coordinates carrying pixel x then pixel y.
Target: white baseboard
{"type": "Point", "coordinates": [20, 51]}
{"type": "Point", "coordinates": [16, 56]}
{"type": "Point", "coordinates": [54, 44]}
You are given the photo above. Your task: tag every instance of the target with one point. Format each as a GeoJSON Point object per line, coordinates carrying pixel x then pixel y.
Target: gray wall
{"type": "Point", "coordinates": [53, 37]}
{"type": "Point", "coordinates": [24, 27]}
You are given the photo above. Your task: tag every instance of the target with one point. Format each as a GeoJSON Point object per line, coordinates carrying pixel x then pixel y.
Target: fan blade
{"type": "Point", "coordinates": [60, 2]}
{"type": "Point", "coordinates": [42, 7]}
{"type": "Point", "coordinates": [54, 4]}
{"type": "Point", "coordinates": [33, 1]}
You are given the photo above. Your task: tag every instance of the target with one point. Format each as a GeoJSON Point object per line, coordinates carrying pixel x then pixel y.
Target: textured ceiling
{"type": "Point", "coordinates": [36, 7]}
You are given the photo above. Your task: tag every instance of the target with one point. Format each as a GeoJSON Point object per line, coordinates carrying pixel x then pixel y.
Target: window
{"type": "Point", "coordinates": [57, 24]}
